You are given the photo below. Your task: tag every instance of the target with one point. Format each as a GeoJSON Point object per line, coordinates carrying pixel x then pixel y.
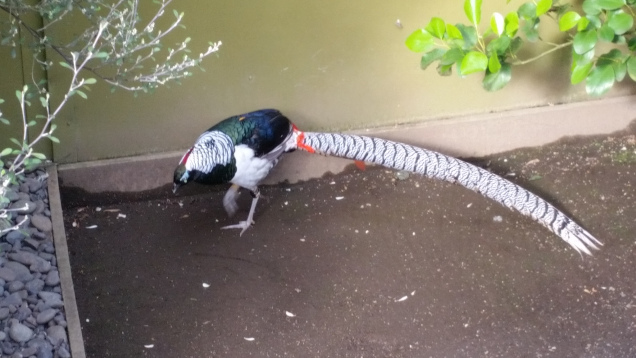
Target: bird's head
{"type": "Point", "coordinates": [182, 175]}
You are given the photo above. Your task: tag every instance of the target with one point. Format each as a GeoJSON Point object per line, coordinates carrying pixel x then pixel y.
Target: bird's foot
{"type": "Point", "coordinates": [241, 225]}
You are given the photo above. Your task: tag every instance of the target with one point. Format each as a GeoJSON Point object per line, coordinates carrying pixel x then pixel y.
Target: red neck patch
{"type": "Point", "coordinates": [186, 156]}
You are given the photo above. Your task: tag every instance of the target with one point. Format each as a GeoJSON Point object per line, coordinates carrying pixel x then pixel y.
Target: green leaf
{"type": "Point", "coordinates": [621, 22]}
{"type": "Point", "coordinates": [81, 94]}
{"type": "Point", "coordinates": [16, 142]}
{"type": "Point", "coordinates": [453, 32]}
{"type": "Point", "coordinates": [420, 41]}
{"type": "Point", "coordinates": [583, 23]}
{"type": "Point", "coordinates": [469, 34]}
{"type": "Point", "coordinates": [610, 4]}
{"type": "Point", "coordinates": [31, 123]}
{"type": "Point", "coordinates": [620, 40]}
{"type": "Point", "coordinates": [631, 67]}
{"type": "Point", "coordinates": [1, 101]}
{"type": "Point", "coordinates": [472, 8]}
{"type": "Point", "coordinates": [611, 58]}
{"type": "Point", "coordinates": [474, 61]}
{"type": "Point", "coordinates": [543, 6]}
{"type": "Point", "coordinates": [90, 81]}
{"type": "Point", "coordinates": [101, 55]}
{"type": "Point", "coordinates": [531, 29]}
{"type": "Point", "coordinates": [512, 24]}
{"type": "Point", "coordinates": [584, 41]}
{"type": "Point", "coordinates": [569, 20]}
{"type": "Point", "coordinates": [5, 121]}
{"type": "Point", "coordinates": [66, 65]}
{"type": "Point", "coordinates": [39, 156]}
{"type": "Point", "coordinates": [499, 45]}
{"type": "Point", "coordinates": [631, 44]}
{"type": "Point", "coordinates": [452, 56]}
{"type": "Point", "coordinates": [579, 73]}
{"type": "Point", "coordinates": [620, 70]}
{"type": "Point", "coordinates": [497, 23]}
{"type": "Point", "coordinates": [606, 33]}
{"type": "Point", "coordinates": [496, 81]}
{"type": "Point", "coordinates": [431, 57]}
{"type": "Point", "coordinates": [5, 151]}
{"type": "Point", "coordinates": [54, 139]}
{"type": "Point", "coordinates": [528, 10]}
{"type": "Point", "coordinates": [515, 45]}
{"type": "Point", "coordinates": [616, 59]}
{"type": "Point", "coordinates": [445, 70]}
{"type": "Point", "coordinates": [582, 58]}
{"type": "Point", "coordinates": [493, 64]}
{"type": "Point", "coordinates": [600, 80]}
{"type": "Point", "coordinates": [436, 27]}
{"type": "Point", "coordinates": [591, 7]}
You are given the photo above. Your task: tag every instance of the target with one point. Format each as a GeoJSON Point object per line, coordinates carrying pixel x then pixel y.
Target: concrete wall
{"type": "Point", "coordinates": [329, 65]}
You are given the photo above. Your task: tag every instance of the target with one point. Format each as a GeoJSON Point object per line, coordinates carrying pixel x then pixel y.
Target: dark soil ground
{"type": "Point", "coordinates": [395, 268]}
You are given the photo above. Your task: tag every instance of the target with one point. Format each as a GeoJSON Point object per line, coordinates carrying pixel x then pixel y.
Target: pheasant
{"type": "Point", "coordinates": [243, 149]}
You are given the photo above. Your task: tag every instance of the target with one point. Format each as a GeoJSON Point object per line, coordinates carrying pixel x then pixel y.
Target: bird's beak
{"type": "Point", "coordinates": [175, 187]}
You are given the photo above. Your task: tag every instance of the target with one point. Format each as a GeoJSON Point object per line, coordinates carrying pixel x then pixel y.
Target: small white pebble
{"type": "Point", "coordinates": [88, 320]}
{"type": "Point", "coordinates": [206, 285]}
{"type": "Point", "coordinates": [332, 183]}
{"type": "Point", "coordinates": [302, 240]}
{"type": "Point", "coordinates": [287, 202]}
{"type": "Point", "coordinates": [497, 219]}
{"type": "Point", "coordinates": [181, 204]}
{"type": "Point", "coordinates": [249, 339]}
{"type": "Point", "coordinates": [287, 189]}
{"type": "Point", "coordinates": [98, 209]}
{"type": "Point", "coordinates": [469, 205]}
{"type": "Point", "coordinates": [339, 197]}
{"type": "Point", "coordinates": [120, 215]}
{"type": "Point", "coordinates": [92, 227]}
{"type": "Point", "coordinates": [413, 233]}
{"type": "Point", "coordinates": [74, 223]}
{"type": "Point", "coordinates": [297, 290]}
{"type": "Point", "coordinates": [356, 231]}
{"type": "Point", "coordinates": [366, 232]}
{"type": "Point", "coordinates": [289, 314]}
{"type": "Point", "coordinates": [402, 299]}
{"type": "Point", "coordinates": [149, 345]}
{"type": "Point", "coordinates": [413, 293]}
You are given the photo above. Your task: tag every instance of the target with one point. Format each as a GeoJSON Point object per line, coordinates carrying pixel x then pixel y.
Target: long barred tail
{"type": "Point", "coordinates": [439, 166]}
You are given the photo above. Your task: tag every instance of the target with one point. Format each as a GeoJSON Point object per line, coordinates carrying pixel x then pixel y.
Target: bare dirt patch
{"type": "Point", "coordinates": [363, 264]}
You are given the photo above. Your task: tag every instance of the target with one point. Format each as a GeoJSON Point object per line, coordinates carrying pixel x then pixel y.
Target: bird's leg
{"type": "Point", "coordinates": [247, 223]}
{"type": "Point", "coordinates": [229, 200]}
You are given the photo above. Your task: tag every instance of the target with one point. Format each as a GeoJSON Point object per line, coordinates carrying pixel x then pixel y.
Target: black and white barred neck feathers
{"type": "Point", "coordinates": [210, 149]}
{"type": "Point", "coordinates": [436, 165]}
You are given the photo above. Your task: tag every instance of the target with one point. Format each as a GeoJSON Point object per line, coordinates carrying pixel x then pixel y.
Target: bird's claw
{"type": "Point", "coordinates": [241, 225]}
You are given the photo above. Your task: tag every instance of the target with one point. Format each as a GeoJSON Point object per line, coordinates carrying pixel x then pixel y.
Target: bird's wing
{"type": "Point", "coordinates": [211, 149]}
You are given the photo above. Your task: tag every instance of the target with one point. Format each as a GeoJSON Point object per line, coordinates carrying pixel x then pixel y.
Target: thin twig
{"type": "Point", "coordinates": [556, 48]}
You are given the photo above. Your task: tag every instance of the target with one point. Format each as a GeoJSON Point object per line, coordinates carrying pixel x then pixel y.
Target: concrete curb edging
{"type": "Point", "coordinates": [74, 327]}
{"type": "Point", "coordinates": [466, 136]}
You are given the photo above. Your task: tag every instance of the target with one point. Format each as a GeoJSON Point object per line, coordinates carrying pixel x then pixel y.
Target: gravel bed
{"type": "Point", "coordinates": [32, 318]}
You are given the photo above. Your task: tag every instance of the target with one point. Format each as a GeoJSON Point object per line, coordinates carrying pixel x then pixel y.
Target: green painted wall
{"type": "Point", "coordinates": [329, 65]}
